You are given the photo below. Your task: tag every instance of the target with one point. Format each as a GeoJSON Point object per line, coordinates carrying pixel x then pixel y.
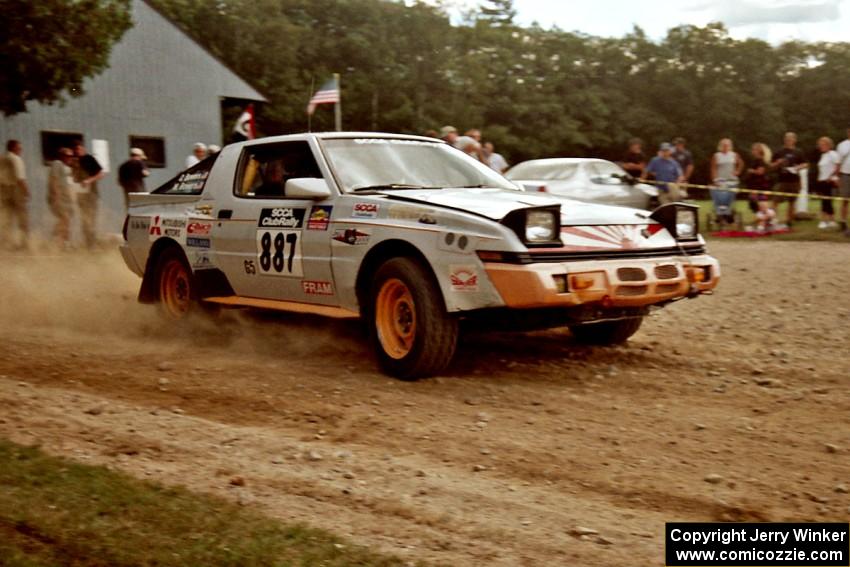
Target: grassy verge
{"type": "Point", "coordinates": [802, 229]}
{"type": "Point", "coordinates": [57, 512]}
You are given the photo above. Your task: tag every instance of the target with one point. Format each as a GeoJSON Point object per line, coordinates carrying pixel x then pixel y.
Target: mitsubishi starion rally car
{"type": "Point", "coordinates": [410, 235]}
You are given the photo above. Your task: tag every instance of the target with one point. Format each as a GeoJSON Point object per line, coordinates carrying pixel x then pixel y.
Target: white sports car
{"type": "Point", "coordinates": [409, 234]}
{"type": "Point", "coordinates": [584, 179]}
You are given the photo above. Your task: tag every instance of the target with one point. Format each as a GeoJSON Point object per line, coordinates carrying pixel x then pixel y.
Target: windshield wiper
{"type": "Point", "coordinates": [386, 186]}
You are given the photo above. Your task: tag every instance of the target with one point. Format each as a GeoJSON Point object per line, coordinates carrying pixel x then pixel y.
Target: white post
{"type": "Point", "coordinates": [338, 105]}
{"type": "Point", "coordinates": [801, 205]}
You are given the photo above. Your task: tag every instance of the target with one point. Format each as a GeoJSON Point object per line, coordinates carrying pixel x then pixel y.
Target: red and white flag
{"type": "Point", "coordinates": [327, 94]}
{"type": "Point", "coordinates": [245, 124]}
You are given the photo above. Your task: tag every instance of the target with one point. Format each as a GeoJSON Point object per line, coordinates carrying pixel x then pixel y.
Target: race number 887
{"type": "Point", "coordinates": [279, 252]}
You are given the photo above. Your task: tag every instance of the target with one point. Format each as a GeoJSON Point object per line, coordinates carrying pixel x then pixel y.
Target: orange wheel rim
{"type": "Point", "coordinates": [395, 318]}
{"type": "Point", "coordinates": [175, 289]}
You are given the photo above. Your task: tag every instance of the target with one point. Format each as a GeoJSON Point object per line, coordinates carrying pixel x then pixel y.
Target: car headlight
{"type": "Point", "coordinates": [541, 226]}
{"type": "Point", "coordinates": [686, 223]}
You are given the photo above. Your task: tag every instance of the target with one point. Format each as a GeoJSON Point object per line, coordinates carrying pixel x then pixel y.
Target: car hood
{"type": "Point", "coordinates": [491, 203]}
{"type": "Point", "coordinates": [495, 204]}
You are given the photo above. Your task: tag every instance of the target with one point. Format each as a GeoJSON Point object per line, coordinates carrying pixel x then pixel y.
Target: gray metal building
{"type": "Point", "coordinates": [162, 92]}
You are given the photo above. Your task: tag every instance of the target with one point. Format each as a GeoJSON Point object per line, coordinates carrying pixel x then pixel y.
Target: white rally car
{"type": "Point", "coordinates": [410, 235]}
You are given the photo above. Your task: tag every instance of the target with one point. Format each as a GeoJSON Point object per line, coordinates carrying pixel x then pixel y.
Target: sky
{"type": "Point", "coordinates": [772, 20]}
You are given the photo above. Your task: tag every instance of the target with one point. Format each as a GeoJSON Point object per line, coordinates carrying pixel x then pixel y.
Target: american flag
{"type": "Point", "coordinates": [328, 93]}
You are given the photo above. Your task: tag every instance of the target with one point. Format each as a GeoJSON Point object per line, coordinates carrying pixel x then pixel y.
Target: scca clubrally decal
{"type": "Point", "coordinates": [282, 217]}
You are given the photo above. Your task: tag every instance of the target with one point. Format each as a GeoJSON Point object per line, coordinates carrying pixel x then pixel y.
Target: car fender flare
{"type": "Point", "coordinates": [148, 292]}
{"type": "Point", "coordinates": [380, 253]}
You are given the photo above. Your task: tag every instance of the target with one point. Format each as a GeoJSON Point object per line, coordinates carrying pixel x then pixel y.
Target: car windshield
{"type": "Point", "coordinates": [543, 171]}
{"type": "Point", "coordinates": [606, 169]}
{"type": "Point", "coordinates": [363, 164]}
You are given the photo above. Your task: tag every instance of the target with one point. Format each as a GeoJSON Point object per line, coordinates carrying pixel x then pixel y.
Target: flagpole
{"type": "Point", "coordinates": [309, 95]}
{"type": "Point", "coordinates": [338, 105]}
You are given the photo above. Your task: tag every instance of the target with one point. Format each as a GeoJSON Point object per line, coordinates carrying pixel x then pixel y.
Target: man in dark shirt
{"type": "Point", "coordinates": [788, 161]}
{"type": "Point", "coordinates": [87, 172]}
{"type": "Point", "coordinates": [132, 173]}
{"type": "Point", "coordinates": [684, 157]}
{"type": "Point", "coordinates": [634, 161]}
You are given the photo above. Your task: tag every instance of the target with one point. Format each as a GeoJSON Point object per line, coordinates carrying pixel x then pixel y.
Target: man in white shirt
{"type": "Point", "coordinates": [495, 160]}
{"type": "Point", "coordinates": [199, 152]}
{"type": "Point", "coordinates": [14, 195]}
{"type": "Point", "coordinates": [843, 171]}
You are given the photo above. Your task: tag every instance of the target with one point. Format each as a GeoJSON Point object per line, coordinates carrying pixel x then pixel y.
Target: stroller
{"type": "Point", "coordinates": [724, 215]}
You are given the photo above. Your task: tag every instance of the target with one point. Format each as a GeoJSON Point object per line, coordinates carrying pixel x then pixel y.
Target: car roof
{"type": "Point", "coordinates": [561, 161]}
{"type": "Point", "coordinates": [338, 136]}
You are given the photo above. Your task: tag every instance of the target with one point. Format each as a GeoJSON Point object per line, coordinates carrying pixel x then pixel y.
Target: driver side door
{"type": "Point", "coordinates": [274, 246]}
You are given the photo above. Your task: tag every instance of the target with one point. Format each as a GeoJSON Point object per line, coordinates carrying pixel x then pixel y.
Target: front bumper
{"type": "Point", "coordinates": [610, 283]}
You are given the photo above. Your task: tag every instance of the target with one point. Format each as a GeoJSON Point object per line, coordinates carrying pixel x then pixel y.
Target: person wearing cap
{"type": "Point", "coordinates": [59, 198]}
{"type": "Point", "coordinates": [667, 172]}
{"type": "Point", "coordinates": [684, 156]}
{"type": "Point", "coordinates": [213, 149]}
{"type": "Point", "coordinates": [448, 134]}
{"type": "Point", "coordinates": [132, 173]}
{"type": "Point", "coordinates": [843, 171]}
{"type": "Point", "coordinates": [199, 152]}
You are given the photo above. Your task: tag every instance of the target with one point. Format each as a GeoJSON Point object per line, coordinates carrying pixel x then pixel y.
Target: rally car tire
{"type": "Point", "coordinates": [606, 332]}
{"type": "Point", "coordinates": [412, 334]}
{"type": "Point", "coordinates": [174, 284]}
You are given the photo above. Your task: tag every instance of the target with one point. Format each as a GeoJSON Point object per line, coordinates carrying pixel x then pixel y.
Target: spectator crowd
{"type": "Point", "coordinates": [72, 191]}
{"type": "Point", "coordinates": [777, 173]}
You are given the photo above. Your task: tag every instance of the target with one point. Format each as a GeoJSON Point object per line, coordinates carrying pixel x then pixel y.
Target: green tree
{"type": "Point", "coordinates": [50, 47]}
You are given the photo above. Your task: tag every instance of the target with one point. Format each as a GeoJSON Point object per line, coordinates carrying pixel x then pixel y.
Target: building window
{"type": "Point", "coordinates": [51, 142]}
{"type": "Point", "coordinates": [154, 148]}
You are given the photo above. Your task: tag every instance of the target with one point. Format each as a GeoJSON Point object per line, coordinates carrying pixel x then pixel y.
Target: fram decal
{"type": "Point", "coordinates": [199, 228]}
{"type": "Point", "coordinates": [317, 288]}
{"type": "Point", "coordinates": [282, 217]}
{"type": "Point", "coordinates": [351, 236]}
{"type": "Point", "coordinates": [320, 217]}
{"type": "Point", "coordinates": [463, 278]}
{"type": "Point", "coordinates": [197, 242]}
{"type": "Point", "coordinates": [365, 210]}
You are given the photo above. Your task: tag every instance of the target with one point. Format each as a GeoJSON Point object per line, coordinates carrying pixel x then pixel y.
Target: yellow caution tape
{"type": "Point", "coordinates": [743, 190]}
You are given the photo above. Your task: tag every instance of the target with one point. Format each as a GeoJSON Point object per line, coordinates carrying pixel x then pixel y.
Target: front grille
{"type": "Point", "coordinates": [631, 274]}
{"type": "Point", "coordinates": [559, 256]}
{"type": "Point", "coordinates": [666, 288]}
{"type": "Point", "coordinates": [667, 272]}
{"type": "Point", "coordinates": [631, 290]}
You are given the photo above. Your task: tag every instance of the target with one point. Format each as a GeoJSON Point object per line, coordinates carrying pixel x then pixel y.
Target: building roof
{"type": "Point", "coordinates": [239, 86]}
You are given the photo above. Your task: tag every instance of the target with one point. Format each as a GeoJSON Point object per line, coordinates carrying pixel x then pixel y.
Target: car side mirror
{"type": "Point", "coordinates": [312, 188]}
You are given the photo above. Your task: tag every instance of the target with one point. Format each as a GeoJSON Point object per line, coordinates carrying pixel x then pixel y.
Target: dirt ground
{"type": "Point", "coordinates": [529, 451]}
